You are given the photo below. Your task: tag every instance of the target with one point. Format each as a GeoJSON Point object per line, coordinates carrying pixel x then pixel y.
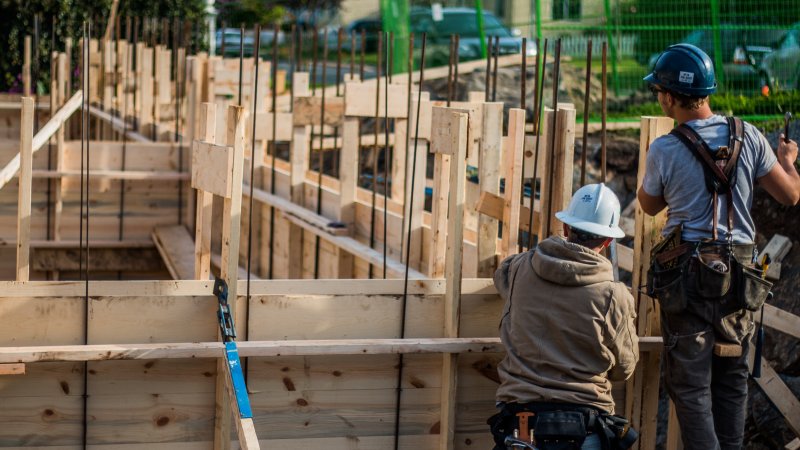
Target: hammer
{"type": "Point", "coordinates": [786, 118]}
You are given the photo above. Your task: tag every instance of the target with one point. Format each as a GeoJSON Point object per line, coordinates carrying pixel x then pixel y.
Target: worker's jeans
{"type": "Point", "coordinates": [709, 391]}
{"type": "Point", "coordinates": [592, 442]}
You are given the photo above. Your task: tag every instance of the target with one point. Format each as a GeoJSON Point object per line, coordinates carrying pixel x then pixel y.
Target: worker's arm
{"type": "Point", "coordinates": [624, 344]}
{"type": "Point", "coordinates": [651, 204]}
{"type": "Point", "coordinates": [783, 181]}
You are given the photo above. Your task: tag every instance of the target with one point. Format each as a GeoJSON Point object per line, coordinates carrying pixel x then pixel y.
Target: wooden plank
{"type": "Point", "coordinates": [307, 111]}
{"type": "Point", "coordinates": [212, 167]}
{"type": "Point", "coordinates": [12, 369]}
{"type": "Point", "coordinates": [794, 445]}
{"type": "Point", "coordinates": [118, 124]}
{"type": "Point", "coordinates": [641, 390]}
{"type": "Point", "coordinates": [299, 153]}
{"type": "Point", "coordinates": [231, 221]}
{"type": "Point", "coordinates": [205, 201]}
{"type": "Point", "coordinates": [513, 176]}
{"type": "Point", "coordinates": [41, 138]}
{"type": "Point", "coordinates": [132, 175]}
{"type": "Point", "coordinates": [441, 188]}
{"type": "Point", "coordinates": [24, 194]}
{"type": "Point", "coordinates": [624, 257]}
{"type": "Point", "coordinates": [283, 131]}
{"type": "Point", "coordinates": [777, 247]}
{"type": "Point", "coordinates": [359, 100]}
{"type": "Point", "coordinates": [780, 320]}
{"type": "Point", "coordinates": [177, 250]}
{"type": "Point", "coordinates": [109, 352]}
{"type": "Point", "coordinates": [458, 123]}
{"type": "Point", "coordinates": [26, 67]}
{"type": "Point", "coordinates": [348, 187]}
{"type": "Point", "coordinates": [492, 206]}
{"type": "Point", "coordinates": [779, 394]}
{"type": "Point", "coordinates": [489, 180]}
{"type": "Point", "coordinates": [559, 181]}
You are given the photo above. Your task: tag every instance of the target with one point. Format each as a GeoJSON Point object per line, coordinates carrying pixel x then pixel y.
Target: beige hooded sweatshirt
{"type": "Point", "coordinates": [568, 328]}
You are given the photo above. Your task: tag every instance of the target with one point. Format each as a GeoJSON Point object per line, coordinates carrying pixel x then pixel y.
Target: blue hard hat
{"type": "Point", "coordinates": [685, 69]}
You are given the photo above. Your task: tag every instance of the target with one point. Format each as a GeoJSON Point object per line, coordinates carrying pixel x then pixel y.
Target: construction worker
{"type": "Point", "coordinates": [568, 329]}
{"type": "Point", "coordinates": [704, 171]}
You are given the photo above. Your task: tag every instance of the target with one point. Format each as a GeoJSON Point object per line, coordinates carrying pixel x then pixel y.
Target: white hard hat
{"type": "Point", "coordinates": [595, 209]}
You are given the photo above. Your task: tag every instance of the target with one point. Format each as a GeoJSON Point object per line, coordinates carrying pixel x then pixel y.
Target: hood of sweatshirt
{"type": "Point", "coordinates": [570, 264]}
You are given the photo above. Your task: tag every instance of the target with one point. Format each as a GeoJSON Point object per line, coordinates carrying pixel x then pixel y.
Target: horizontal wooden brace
{"type": "Point", "coordinates": [132, 175]}
{"type": "Point", "coordinates": [307, 111]}
{"type": "Point", "coordinates": [118, 124]}
{"type": "Point", "coordinates": [45, 133]}
{"type": "Point", "coordinates": [359, 100]}
{"type": "Point", "coordinates": [261, 349]}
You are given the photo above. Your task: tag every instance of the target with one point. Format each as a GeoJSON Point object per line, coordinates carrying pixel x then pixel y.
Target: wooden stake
{"type": "Point", "coordinates": [24, 196]}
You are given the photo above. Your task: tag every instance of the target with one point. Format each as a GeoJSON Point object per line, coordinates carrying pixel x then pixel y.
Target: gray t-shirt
{"type": "Point", "coordinates": [672, 171]}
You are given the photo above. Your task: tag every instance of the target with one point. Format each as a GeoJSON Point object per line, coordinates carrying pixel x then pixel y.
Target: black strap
{"type": "Point", "coordinates": [719, 180]}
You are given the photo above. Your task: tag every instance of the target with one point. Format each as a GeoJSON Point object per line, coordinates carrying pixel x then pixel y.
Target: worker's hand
{"type": "Point", "coordinates": [787, 152]}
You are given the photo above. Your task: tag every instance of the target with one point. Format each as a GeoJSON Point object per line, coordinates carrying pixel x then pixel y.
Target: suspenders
{"type": "Point", "coordinates": [719, 168]}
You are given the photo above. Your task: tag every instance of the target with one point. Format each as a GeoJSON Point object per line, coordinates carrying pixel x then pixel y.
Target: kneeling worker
{"type": "Point", "coordinates": [568, 329]}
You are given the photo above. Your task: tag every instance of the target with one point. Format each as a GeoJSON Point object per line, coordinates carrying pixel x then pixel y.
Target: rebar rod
{"type": "Point", "coordinates": [556, 69]}
{"type": "Point", "coordinates": [539, 96]}
{"type": "Point", "coordinates": [603, 112]}
{"type": "Point", "coordinates": [321, 151]}
{"type": "Point", "coordinates": [586, 98]}
{"type": "Point", "coordinates": [375, 147]}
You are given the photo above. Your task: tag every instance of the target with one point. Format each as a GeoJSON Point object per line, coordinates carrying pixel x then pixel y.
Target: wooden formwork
{"type": "Point", "coordinates": [322, 357]}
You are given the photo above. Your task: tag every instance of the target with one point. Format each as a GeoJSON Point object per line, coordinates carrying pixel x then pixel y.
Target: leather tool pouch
{"type": "Point", "coordinates": [668, 286]}
{"type": "Point", "coordinates": [714, 271]}
{"type": "Point", "coordinates": [560, 430]}
{"type": "Point", "coordinates": [752, 290]}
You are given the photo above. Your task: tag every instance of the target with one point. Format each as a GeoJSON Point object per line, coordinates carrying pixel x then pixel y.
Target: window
{"type": "Point", "coordinates": [566, 9]}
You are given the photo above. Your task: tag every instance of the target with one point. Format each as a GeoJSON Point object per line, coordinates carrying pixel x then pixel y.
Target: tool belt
{"type": "Point", "coordinates": [560, 426]}
{"type": "Point", "coordinates": [710, 271]}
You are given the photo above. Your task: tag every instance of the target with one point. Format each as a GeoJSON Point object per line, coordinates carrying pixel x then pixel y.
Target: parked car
{"type": "Point", "coordinates": [232, 39]}
{"type": "Point", "coordinates": [780, 70]}
{"type": "Point", "coordinates": [742, 53]}
{"type": "Point", "coordinates": [463, 22]}
{"type": "Point", "coordinates": [228, 41]}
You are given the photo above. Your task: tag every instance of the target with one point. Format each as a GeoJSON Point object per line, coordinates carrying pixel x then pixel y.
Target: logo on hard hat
{"type": "Point", "coordinates": [586, 198]}
{"type": "Point", "coordinates": [686, 77]}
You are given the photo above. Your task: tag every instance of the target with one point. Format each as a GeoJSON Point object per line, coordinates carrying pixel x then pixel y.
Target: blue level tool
{"type": "Point", "coordinates": [228, 331]}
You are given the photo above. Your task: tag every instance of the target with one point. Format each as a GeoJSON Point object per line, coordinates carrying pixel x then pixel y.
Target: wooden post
{"type": "Point", "coordinates": [489, 179]}
{"type": "Point", "coordinates": [24, 198]}
{"type": "Point", "coordinates": [513, 175]}
{"type": "Point", "coordinates": [348, 186]}
{"type": "Point", "coordinates": [26, 68]}
{"type": "Point", "coordinates": [145, 86]}
{"type": "Point", "coordinates": [441, 188]}
{"type": "Point", "coordinates": [399, 159]}
{"type": "Point", "coordinates": [107, 79]}
{"type": "Point", "coordinates": [641, 392]}
{"type": "Point", "coordinates": [62, 87]}
{"type": "Point", "coordinates": [449, 136]}
{"type": "Point", "coordinates": [202, 241]}
{"type": "Point", "coordinates": [417, 192]}
{"type": "Point", "coordinates": [299, 166]}
{"type": "Point", "coordinates": [561, 177]}
{"type": "Point", "coordinates": [229, 265]}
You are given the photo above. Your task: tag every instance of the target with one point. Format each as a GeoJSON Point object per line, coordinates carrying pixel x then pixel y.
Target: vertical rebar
{"type": "Point", "coordinates": [537, 117]}
{"type": "Point", "coordinates": [241, 61]}
{"type": "Point", "coordinates": [586, 98]}
{"type": "Point", "coordinates": [273, 151]}
{"type": "Point", "coordinates": [556, 69]}
{"type": "Point", "coordinates": [321, 150]}
{"type": "Point", "coordinates": [456, 46]}
{"type": "Point", "coordinates": [253, 111]}
{"type": "Point", "coordinates": [375, 146]}
{"type": "Point", "coordinates": [604, 109]}
{"type": "Point", "coordinates": [399, 388]}
{"type": "Point", "coordinates": [386, 158]}
{"type": "Point", "coordinates": [488, 68]}
{"type": "Point", "coordinates": [450, 71]}
{"type": "Point", "coordinates": [494, 75]}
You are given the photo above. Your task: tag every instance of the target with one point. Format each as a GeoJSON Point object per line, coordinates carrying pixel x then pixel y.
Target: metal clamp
{"type": "Point", "coordinates": [226, 327]}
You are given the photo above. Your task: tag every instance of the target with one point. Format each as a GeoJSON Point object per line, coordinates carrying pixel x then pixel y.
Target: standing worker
{"type": "Point", "coordinates": [568, 329]}
{"type": "Point", "coordinates": [703, 273]}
